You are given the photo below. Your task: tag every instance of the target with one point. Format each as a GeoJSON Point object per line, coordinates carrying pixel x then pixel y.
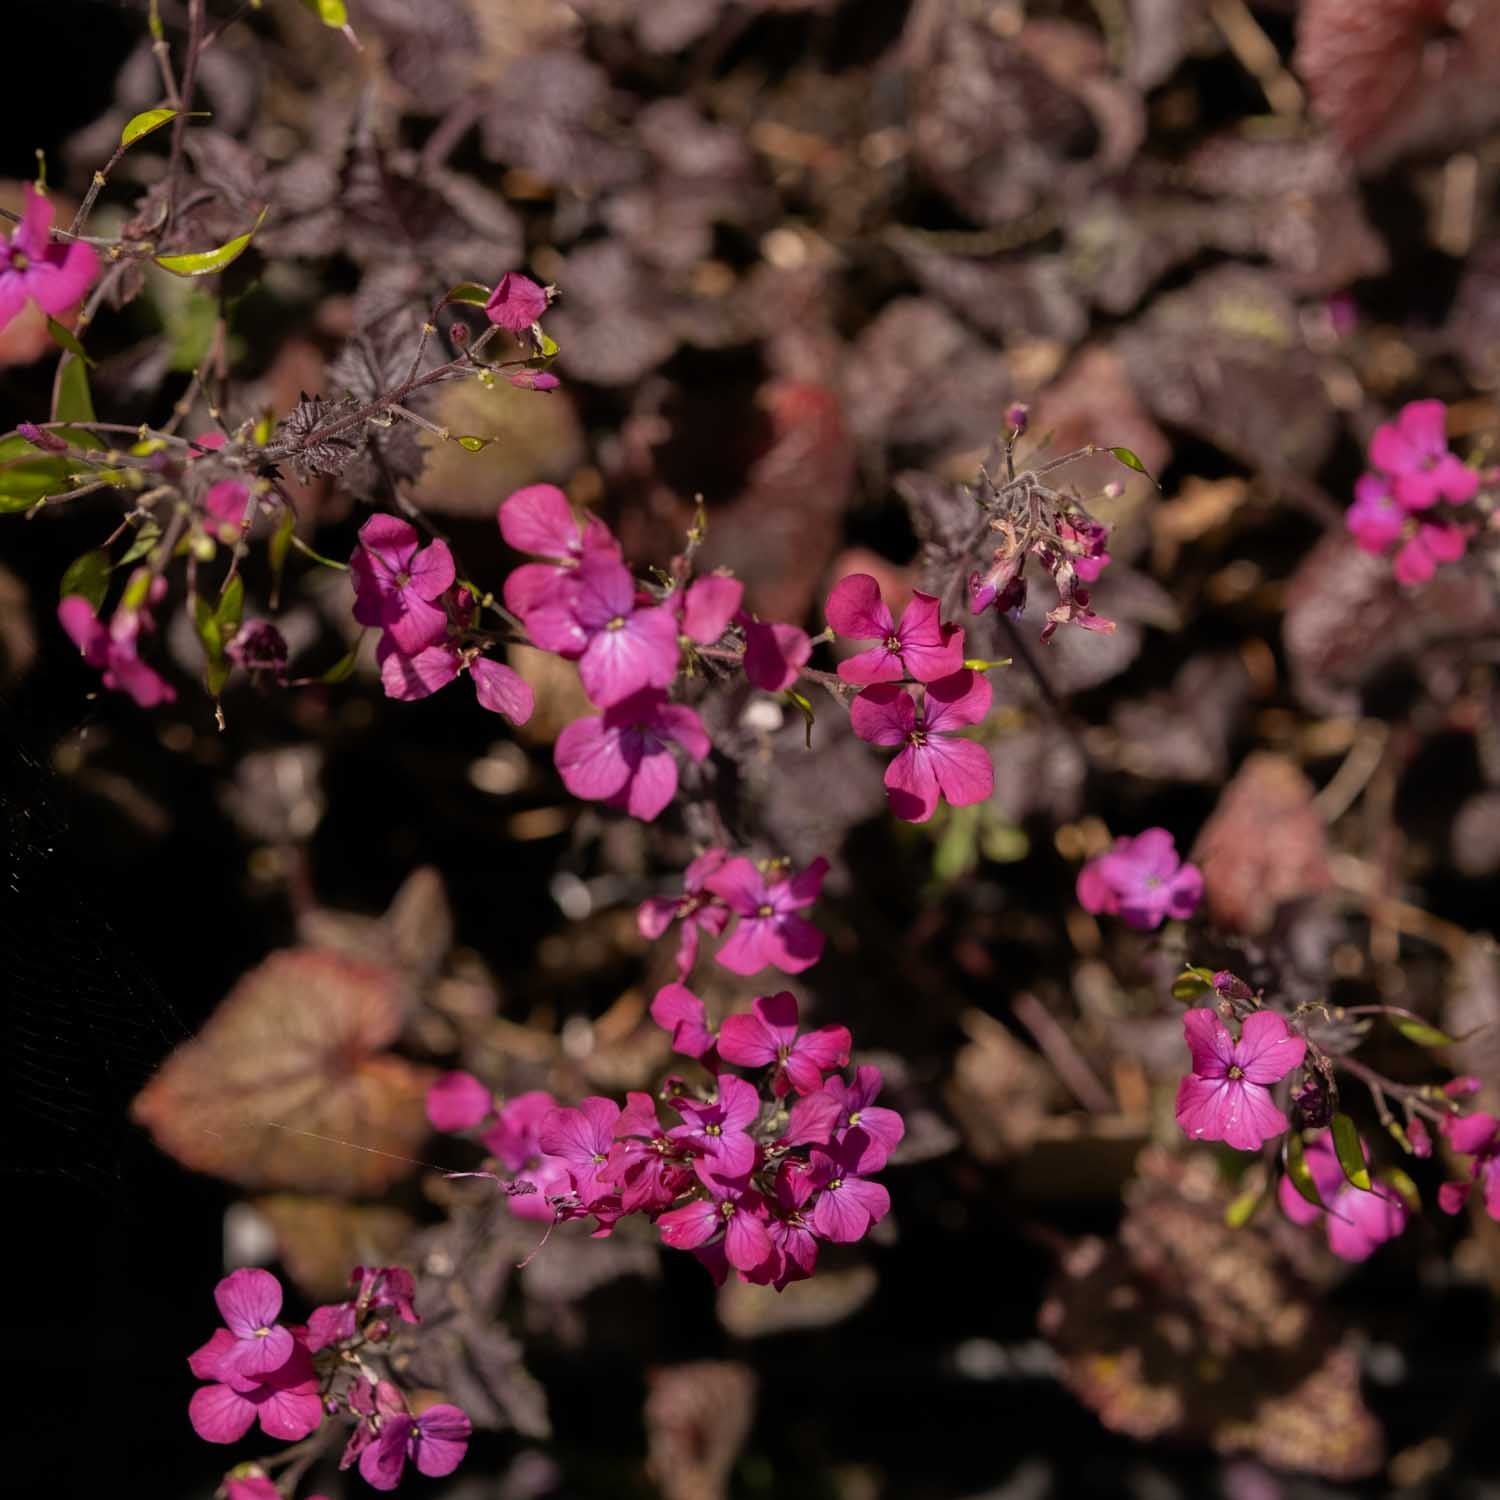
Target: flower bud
{"type": "Point", "coordinates": [46, 441]}
{"type": "Point", "coordinates": [1017, 416]}
{"type": "Point", "coordinates": [1312, 1103]}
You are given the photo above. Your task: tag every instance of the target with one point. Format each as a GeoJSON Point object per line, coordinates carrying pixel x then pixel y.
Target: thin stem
{"type": "Point", "coordinates": [185, 102]}
{"type": "Point", "coordinates": [1415, 1097]}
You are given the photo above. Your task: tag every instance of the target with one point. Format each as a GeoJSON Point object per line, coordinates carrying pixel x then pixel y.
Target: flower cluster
{"type": "Point", "coordinates": [289, 1377]}
{"type": "Point", "coordinates": [1411, 470]}
{"type": "Point", "coordinates": [1141, 880]}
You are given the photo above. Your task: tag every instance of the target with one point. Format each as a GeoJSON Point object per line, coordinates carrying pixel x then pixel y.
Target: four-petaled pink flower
{"type": "Point", "coordinates": [497, 687]}
{"type": "Point", "coordinates": [768, 1038]}
{"type": "Point", "coordinates": [582, 1138]}
{"type": "Point", "coordinates": [621, 647]}
{"type": "Point", "coordinates": [857, 1111]}
{"type": "Point", "coordinates": [396, 579]}
{"type": "Point", "coordinates": [516, 303]}
{"type": "Point", "coordinates": [1413, 450]}
{"type": "Point", "coordinates": [622, 758]}
{"type": "Point", "coordinates": [285, 1401]}
{"type": "Point", "coordinates": [697, 908]}
{"type": "Point", "coordinates": [34, 268]}
{"type": "Point", "coordinates": [435, 1442]}
{"type": "Point", "coordinates": [1142, 880]}
{"type": "Point", "coordinates": [921, 646]}
{"type": "Point", "coordinates": [932, 763]}
{"type": "Point", "coordinates": [740, 1213]}
{"type": "Point", "coordinates": [1476, 1135]}
{"type": "Point", "coordinates": [1227, 1096]}
{"type": "Point", "coordinates": [1358, 1220]}
{"type": "Point", "coordinates": [645, 1165]}
{"type": "Point", "coordinates": [538, 519]}
{"type": "Point", "coordinates": [848, 1205]}
{"type": "Point", "coordinates": [249, 1301]}
{"type": "Point", "coordinates": [715, 1132]}
{"type": "Point", "coordinates": [770, 929]}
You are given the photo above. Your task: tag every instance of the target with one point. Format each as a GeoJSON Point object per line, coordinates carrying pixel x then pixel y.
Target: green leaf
{"type": "Point", "coordinates": [343, 669]}
{"type": "Point", "coordinates": [27, 475]}
{"type": "Point", "coordinates": [144, 123]}
{"type": "Point", "coordinates": [1131, 460]}
{"type": "Point", "coordinates": [137, 586]}
{"type": "Point", "coordinates": [1396, 1178]}
{"type": "Point", "coordinates": [206, 262]}
{"type": "Point", "coordinates": [470, 292]}
{"type": "Point", "coordinates": [190, 329]}
{"type": "Point", "coordinates": [74, 401]}
{"type": "Point", "coordinates": [474, 444]}
{"type": "Point", "coordinates": [88, 576]}
{"type": "Point", "coordinates": [1295, 1159]}
{"type": "Point", "coordinates": [230, 609]}
{"type": "Point", "coordinates": [957, 849]}
{"type": "Point", "coordinates": [1242, 1209]}
{"type": "Point", "coordinates": [980, 664]}
{"type": "Point", "coordinates": [1002, 841]}
{"type": "Point", "coordinates": [330, 12]}
{"type": "Point", "coordinates": [145, 539]}
{"type": "Point", "coordinates": [1193, 983]}
{"type": "Point", "coordinates": [65, 338]}
{"type": "Point", "coordinates": [1399, 1135]}
{"type": "Point", "coordinates": [278, 547]}
{"type": "Point", "coordinates": [806, 709]}
{"type": "Point", "coordinates": [1349, 1152]}
{"type": "Point", "coordinates": [1421, 1033]}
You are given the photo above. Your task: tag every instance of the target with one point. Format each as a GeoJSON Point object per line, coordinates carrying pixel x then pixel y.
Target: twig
{"type": "Point", "coordinates": [185, 102]}
{"type": "Point", "coordinates": [1067, 1061]}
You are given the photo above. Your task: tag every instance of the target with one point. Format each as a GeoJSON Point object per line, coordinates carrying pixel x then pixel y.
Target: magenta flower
{"type": "Point", "coordinates": [582, 1138]}
{"type": "Point", "coordinates": [1432, 544]}
{"type": "Point", "coordinates": [857, 1110]}
{"type": "Point", "coordinates": [707, 606]}
{"type": "Point", "coordinates": [1141, 880]}
{"type": "Point", "coordinates": [284, 1401]}
{"type": "Point", "coordinates": [1413, 450]}
{"type": "Point", "coordinates": [770, 929]}
{"type": "Point", "coordinates": [697, 908]}
{"type": "Point", "coordinates": [644, 1162]}
{"type": "Point", "coordinates": [458, 1101]}
{"type": "Point", "coordinates": [538, 519]}
{"type": "Point", "coordinates": [378, 1287]}
{"type": "Point", "coordinates": [516, 303]}
{"type": "Point", "coordinates": [1375, 520]}
{"type": "Point", "coordinates": [435, 1442]}
{"type": "Point", "coordinates": [515, 1141]}
{"type": "Point", "coordinates": [249, 1301]}
{"type": "Point", "coordinates": [774, 654]}
{"type": "Point", "coordinates": [1476, 1135]}
{"type": "Point", "coordinates": [396, 579]}
{"type": "Point", "coordinates": [679, 1012]}
{"type": "Point", "coordinates": [932, 763]}
{"type": "Point", "coordinates": [847, 1206]}
{"type": "Point", "coordinates": [621, 648]}
{"type": "Point", "coordinates": [714, 1131]}
{"type": "Point", "coordinates": [741, 1214]}
{"type": "Point", "coordinates": [767, 1038]}
{"type": "Point", "coordinates": [1227, 1096]}
{"type": "Point", "coordinates": [622, 758]}
{"type": "Point", "coordinates": [921, 647]}
{"type": "Point", "coordinates": [32, 267]}
{"type": "Point", "coordinates": [252, 1487]}
{"type": "Point", "coordinates": [1358, 1220]}
{"type": "Point", "coordinates": [812, 1121]}
{"type": "Point", "coordinates": [112, 649]}
{"type": "Point", "coordinates": [1090, 538]}
{"type": "Point", "coordinates": [496, 686]}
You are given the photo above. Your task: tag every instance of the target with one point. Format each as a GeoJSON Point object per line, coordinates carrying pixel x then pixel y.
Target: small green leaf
{"type": "Point", "coordinates": [1295, 1160]}
{"type": "Point", "coordinates": [957, 849]}
{"type": "Point", "coordinates": [546, 346]}
{"type": "Point", "coordinates": [343, 669]}
{"type": "Point", "coordinates": [1350, 1153]}
{"type": "Point", "coordinates": [145, 539]}
{"type": "Point", "coordinates": [65, 338]}
{"type": "Point", "coordinates": [27, 475]}
{"type": "Point", "coordinates": [1396, 1178]}
{"type": "Point", "coordinates": [278, 547]}
{"type": "Point", "coordinates": [1131, 460]}
{"type": "Point", "coordinates": [980, 664]}
{"type": "Point", "coordinates": [74, 401]}
{"type": "Point", "coordinates": [1242, 1209]}
{"type": "Point", "coordinates": [1193, 983]}
{"type": "Point", "coordinates": [330, 12]}
{"type": "Point", "coordinates": [136, 589]}
{"type": "Point", "coordinates": [806, 709]}
{"type": "Point", "coordinates": [230, 609]}
{"type": "Point", "coordinates": [1421, 1033]}
{"type": "Point", "coordinates": [470, 292]}
{"type": "Point", "coordinates": [1399, 1135]}
{"type": "Point", "coordinates": [88, 576]}
{"type": "Point", "coordinates": [474, 444]}
{"type": "Point", "coordinates": [206, 262]}
{"type": "Point", "coordinates": [144, 123]}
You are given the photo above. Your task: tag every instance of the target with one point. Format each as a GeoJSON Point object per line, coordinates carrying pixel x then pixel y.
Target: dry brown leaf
{"type": "Point", "coordinates": [319, 1240]}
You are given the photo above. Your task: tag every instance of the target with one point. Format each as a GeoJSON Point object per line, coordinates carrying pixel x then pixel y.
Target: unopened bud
{"type": "Point", "coordinates": [46, 441]}
{"type": "Point", "coordinates": [1017, 416]}
{"type": "Point", "coordinates": [1314, 1107]}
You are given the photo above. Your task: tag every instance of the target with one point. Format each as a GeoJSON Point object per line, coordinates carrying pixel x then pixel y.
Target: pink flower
{"type": "Point", "coordinates": [1476, 1135]}
{"type": "Point", "coordinates": [1413, 450]}
{"type": "Point", "coordinates": [249, 1301]}
{"type": "Point", "coordinates": [770, 929]}
{"type": "Point", "coordinates": [582, 1138]}
{"type": "Point", "coordinates": [378, 1287]}
{"type": "Point", "coordinates": [622, 758]}
{"type": "Point", "coordinates": [285, 1401]}
{"type": "Point", "coordinates": [774, 654]}
{"type": "Point", "coordinates": [1142, 880]}
{"type": "Point", "coordinates": [435, 1442]}
{"type": "Point", "coordinates": [768, 1038]}
{"type": "Point", "coordinates": [932, 763]}
{"type": "Point", "coordinates": [538, 519]}
{"type": "Point", "coordinates": [707, 607]}
{"type": "Point", "coordinates": [697, 908]}
{"type": "Point", "coordinates": [408, 678]}
{"type": "Point", "coordinates": [1375, 520]}
{"type": "Point", "coordinates": [1090, 537]}
{"type": "Point", "coordinates": [516, 303]}
{"type": "Point", "coordinates": [714, 1131]}
{"type": "Point", "coordinates": [621, 648]}
{"type": "Point", "coordinates": [857, 1110]}
{"type": "Point", "coordinates": [1433, 543]}
{"type": "Point", "coordinates": [515, 1140]}
{"type": "Point", "coordinates": [458, 1101]}
{"type": "Point", "coordinates": [1227, 1095]}
{"type": "Point", "coordinates": [252, 1487]}
{"type": "Point", "coordinates": [54, 276]}
{"type": "Point", "coordinates": [644, 1162]}
{"type": "Point", "coordinates": [396, 579]}
{"type": "Point", "coordinates": [921, 646]}
{"type": "Point", "coordinates": [678, 1011]}
{"type": "Point", "coordinates": [111, 649]}
{"type": "Point", "coordinates": [847, 1206]}
{"type": "Point", "coordinates": [794, 1246]}
{"type": "Point", "coordinates": [1358, 1221]}
{"type": "Point", "coordinates": [739, 1213]}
